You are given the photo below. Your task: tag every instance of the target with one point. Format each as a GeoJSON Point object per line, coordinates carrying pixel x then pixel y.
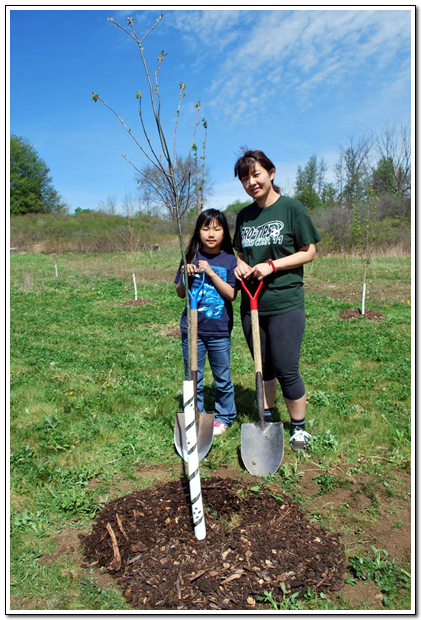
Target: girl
{"type": "Point", "coordinates": [274, 238]}
{"type": "Point", "coordinates": [210, 249]}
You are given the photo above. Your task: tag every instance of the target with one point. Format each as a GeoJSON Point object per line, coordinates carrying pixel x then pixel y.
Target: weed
{"type": "Point", "coordinates": [290, 475]}
{"type": "Point", "coordinates": [287, 602]}
{"type": "Point", "coordinates": [381, 569]}
{"type": "Point", "coordinates": [325, 442]}
{"type": "Point", "coordinates": [326, 482]}
{"type": "Point", "coordinates": [291, 602]}
{"type": "Point", "coordinates": [95, 597]}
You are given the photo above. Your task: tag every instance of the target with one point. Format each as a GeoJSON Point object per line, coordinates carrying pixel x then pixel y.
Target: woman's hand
{"type": "Point", "coordinates": [261, 270]}
{"type": "Point", "coordinates": [244, 271]}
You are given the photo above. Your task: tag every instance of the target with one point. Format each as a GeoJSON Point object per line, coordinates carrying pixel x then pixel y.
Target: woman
{"type": "Point", "coordinates": [274, 238]}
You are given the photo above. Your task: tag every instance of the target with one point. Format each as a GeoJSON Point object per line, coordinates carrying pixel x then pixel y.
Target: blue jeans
{"type": "Point", "coordinates": [219, 353]}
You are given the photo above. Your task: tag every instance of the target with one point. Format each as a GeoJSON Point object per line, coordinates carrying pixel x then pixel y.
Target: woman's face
{"type": "Point", "coordinates": [258, 182]}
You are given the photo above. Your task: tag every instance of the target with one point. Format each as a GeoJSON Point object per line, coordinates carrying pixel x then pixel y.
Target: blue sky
{"type": "Point", "coordinates": [294, 83]}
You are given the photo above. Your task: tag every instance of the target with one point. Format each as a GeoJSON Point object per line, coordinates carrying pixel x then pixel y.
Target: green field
{"type": "Point", "coordinates": [95, 384]}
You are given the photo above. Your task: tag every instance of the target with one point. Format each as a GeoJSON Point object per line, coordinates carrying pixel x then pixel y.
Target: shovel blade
{"type": "Point", "coordinates": [204, 430]}
{"type": "Point", "coordinates": [262, 447]}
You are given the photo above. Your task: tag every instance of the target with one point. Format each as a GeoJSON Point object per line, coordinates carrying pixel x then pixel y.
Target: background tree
{"type": "Point", "coordinates": [236, 206]}
{"type": "Point", "coordinates": [31, 186]}
{"type": "Point", "coordinates": [392, 174]}
{"type": "Point", "coordinates": [233, 209]}
{"type": "Point", "coordinates": [353, 170]}
{"type": "Point", "coordinates": [108, 206]}
{"type": "Point", "coordinates": [311, 187]}
{"type": "Point", "coordinates": [158, 196]}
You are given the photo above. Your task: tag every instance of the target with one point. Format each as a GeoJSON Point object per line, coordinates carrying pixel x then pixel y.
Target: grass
{"type": "Point", "coordinates": [94, 387]}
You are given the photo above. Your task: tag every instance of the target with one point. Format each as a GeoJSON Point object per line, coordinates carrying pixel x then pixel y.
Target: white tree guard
{"type": "Point", "coordinates": [193, 461]}
{"type": "Point", "coordinates": [363, 300]}
{"type": "Point", "coordinates": [135, 287]}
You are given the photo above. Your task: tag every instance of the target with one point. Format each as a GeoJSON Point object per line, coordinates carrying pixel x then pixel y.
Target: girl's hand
{"type": "Point", "coordinates": [191, 269]}
{"type": "Point", "coordinates": [261, 270]}
{"type": "Point", "coordinates": [203, 264]}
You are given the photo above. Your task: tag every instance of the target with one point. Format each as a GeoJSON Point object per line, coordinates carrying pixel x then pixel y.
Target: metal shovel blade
{"type": "Point", "coordinates": [262, 447]}
{"type": "Point", "coordinates": [204, 430]}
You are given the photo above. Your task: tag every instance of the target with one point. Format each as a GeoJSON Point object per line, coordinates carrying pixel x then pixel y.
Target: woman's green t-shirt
{"type": "Point", "coordinates": [270, 233]}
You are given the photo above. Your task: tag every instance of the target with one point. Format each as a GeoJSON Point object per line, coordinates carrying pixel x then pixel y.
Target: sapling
{"type": "Point", "coordinates": [163, 161]}
{"type": "Point", "coordinates": [165, 164]}
{"type": "Point", "coordinates": [364, 235]}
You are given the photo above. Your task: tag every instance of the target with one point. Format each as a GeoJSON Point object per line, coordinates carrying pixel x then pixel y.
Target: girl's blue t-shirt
{"type": "Point", "coordinates": [214, 312]}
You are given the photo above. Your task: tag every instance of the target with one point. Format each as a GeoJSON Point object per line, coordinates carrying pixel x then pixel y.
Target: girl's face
{"type": "Point", "coordinates": [211, 236]}
{"type": "Point", "coordinates": [258, 182]}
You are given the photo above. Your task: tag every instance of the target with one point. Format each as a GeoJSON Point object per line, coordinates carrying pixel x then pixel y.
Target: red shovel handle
{"type": "Point", "coordinates": [253, 298]}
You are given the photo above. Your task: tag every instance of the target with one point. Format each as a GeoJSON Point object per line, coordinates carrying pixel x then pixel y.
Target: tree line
{"type": "Point", "coordinates": [368, 165]}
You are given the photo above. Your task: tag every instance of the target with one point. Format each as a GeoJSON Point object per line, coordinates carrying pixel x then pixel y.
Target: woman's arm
{"type": "Point", "coordinates": [304, 255]}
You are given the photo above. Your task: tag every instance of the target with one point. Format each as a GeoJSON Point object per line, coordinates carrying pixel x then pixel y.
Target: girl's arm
{"type": "Point", "coordinates": [180, 286]}
{"type": "Point", "coordinates": [304, 255]}
{"type": "Point", "coordinates": [225, 289]}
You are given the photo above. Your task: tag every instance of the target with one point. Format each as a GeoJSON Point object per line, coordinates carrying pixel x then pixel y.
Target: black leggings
{"type": "Point", "coordinates": [281, 336]}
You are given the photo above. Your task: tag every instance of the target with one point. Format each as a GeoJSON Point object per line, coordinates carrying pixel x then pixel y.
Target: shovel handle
{"type": "Point", "coordinates": [257, 350]}
{"type": "Point", "coordinates": [193, 316]}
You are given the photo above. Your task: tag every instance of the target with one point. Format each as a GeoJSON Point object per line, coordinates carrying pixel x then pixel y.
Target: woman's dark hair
{"type": "Point", "coordinates": [248, 160]}
{"type": "Point", "coordinates": [204, 219]}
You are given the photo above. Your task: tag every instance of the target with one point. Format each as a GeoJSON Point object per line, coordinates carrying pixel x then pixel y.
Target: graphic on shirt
{"type": "Point", "coordinates": [210, 301]}
{"type": "Point", "coordinates": [266, 234]}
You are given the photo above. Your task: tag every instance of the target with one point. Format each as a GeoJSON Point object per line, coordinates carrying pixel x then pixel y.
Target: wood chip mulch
{"type": "Point", "coordinates": [256, 541]}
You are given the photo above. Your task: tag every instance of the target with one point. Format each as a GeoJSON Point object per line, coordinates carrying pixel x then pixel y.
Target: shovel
{"type": "Point", "coordinates": [262, 444]}
{"type": "Point", "coordinates": [204, 421]}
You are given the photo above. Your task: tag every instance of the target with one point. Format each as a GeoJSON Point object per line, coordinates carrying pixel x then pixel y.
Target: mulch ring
{"type": "Point", "coordinates": [355, 313]}
{"type": "Point", "coordinates": [255, 542]}
{"type": "Point", "coordinates": [137, 302]}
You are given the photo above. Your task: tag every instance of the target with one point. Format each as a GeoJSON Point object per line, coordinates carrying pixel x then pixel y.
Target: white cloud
{"type": "Point", "coordinates": [295, 53]}
{"type": "Point", "coordinates": [212, 31]}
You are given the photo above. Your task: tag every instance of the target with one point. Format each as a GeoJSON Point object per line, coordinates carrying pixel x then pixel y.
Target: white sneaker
{"type": "Point", "coordinates": [219, 428]}
{"type": "Point", "coordinates": [299, 439]}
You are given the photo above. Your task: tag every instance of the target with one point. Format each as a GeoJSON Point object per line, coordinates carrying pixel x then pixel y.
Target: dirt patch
{"type": "Point", "coordinates": [138, 302]}
{"type": "Point", "coordinates": [380, 291]}
{"type": "Point", "coordinates": [355, 313]}
{"type": "Point", "coordinates": [172, 330]}
{"type": "Point", "coordinates": [68, 543]}
{"type": "Point", "coordinates": [255, 542]}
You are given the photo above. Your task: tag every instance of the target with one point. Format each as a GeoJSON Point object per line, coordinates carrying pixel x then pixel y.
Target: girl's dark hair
{"type": "Point", "coordinates": [248, 160]}
{"type": "Point", "coordinates": [204, 219]}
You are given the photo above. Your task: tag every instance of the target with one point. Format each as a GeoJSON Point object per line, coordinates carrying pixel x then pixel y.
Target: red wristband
{"type": "Point", "coordinates": [272, 264]}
